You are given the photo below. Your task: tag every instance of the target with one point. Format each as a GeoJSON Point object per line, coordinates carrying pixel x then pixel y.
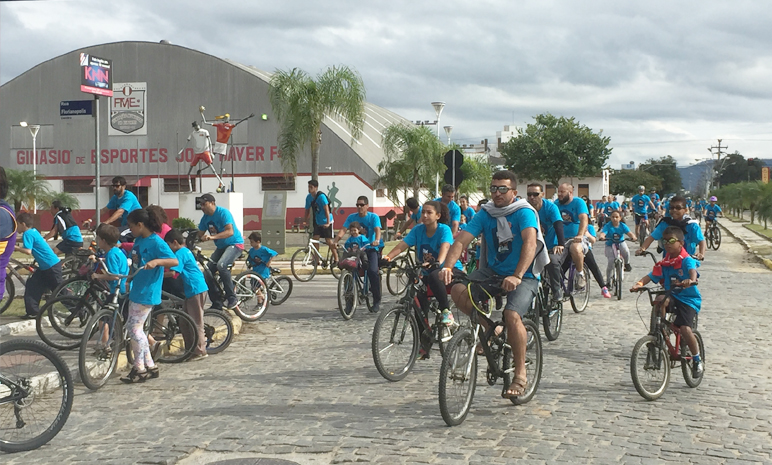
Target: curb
{"type": "Point", "coordinates": [757, 233]}
{"type": "Point", "coordinates": [765, 261]}
{"type": "Point", "coordinates": [9, 329]}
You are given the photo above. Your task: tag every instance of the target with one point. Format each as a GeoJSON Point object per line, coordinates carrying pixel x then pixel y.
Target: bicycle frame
{"type": "Point", "coordinates": [660, 325]}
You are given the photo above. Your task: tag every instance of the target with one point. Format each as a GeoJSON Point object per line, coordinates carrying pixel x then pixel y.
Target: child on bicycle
{"type": "Point", "coordinates": [195, 290]}
{"type": "Point", "coordinates": [614, 233]}
{"type": "Point", "coordinates": [678, 269]}
{"type": "Point", "coordinates": [115, 260]}
{"type": "Point", "coordinates": [47, 276]}
{"type": "Point", "coordinates": [712, 211]}
{"type": "Point", "coordinates": [152, 254]}
{"type": "Point", "coordinates": [354, 246]}
{"type": "Point", "coordinates": [694, 239]}
{"type": "Point", "coordinates": [260, 256]}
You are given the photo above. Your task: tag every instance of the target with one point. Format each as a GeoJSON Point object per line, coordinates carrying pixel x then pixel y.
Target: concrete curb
{"type": "Point", "coordinates": [9, 329]}
{"type": "Point", "coordinates": [765, 261]}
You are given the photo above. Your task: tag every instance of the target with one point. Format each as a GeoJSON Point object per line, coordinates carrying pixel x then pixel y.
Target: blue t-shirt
{"type": "Point", "coordinates": [455, 210]}
{"type": "Point", "coordinates": [44, 255]}
{"type": "Point", "coordinates": [146, 285]}
{"type": "Point", "coordinates": [700, 205]}
{"type": "Point", "coordinates": [690, 295]}
{"type": "Point", "coordinates": [615, 234]}
{"type": "Point", "coordinates": [260, 258]}
{"type": "Point", "coordinates": [368, 222]}
{"type": "Point", "coordinates": [128, 202]}
{"type": "Point", "coordinates": [712, 210]}
{"type": "Point", "coordinates": [320, 219]}
{"type": "Point", "coordinates": [548, 214]}
{"type": "Point", "coordinates": [666, 207]}
{"type": "Point", "coordinates": [192, 277]}
{"type": "Point", "coordinates": [468, 213]}
{"type": "Point", "coordinates": [216, 222]}
{"type": "Point", "coordinates": [355, 244]}
{"type": "Point", "coordinates": [116, 262]}
{"type": "Point", "coordinates": [689, 203]}
{"type": "Point", "coordinates": [416, 217]}
{"type": "Point", "coordinates": [640, 203]}
{"type": "Point", "coordinates": [68, 234]}
{"type": "Point", "coordinates": [503, 258]}
{"type": "Point", "coordinates": [611, 206]}
{"type": "Point", "coordinates": [655, 198]}
{"type": "Point", "coordinates": [692, 237]}
{"type": "Point", "coordinates": [570, 214]}
{"type": "Point", "coordinates": [600, 206]}
{"type": "Point", "coordinates": [428, 248]}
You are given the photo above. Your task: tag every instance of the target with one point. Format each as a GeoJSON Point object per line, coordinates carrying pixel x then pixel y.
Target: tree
{"type": "Point", "coordinates": [626, 182]}
{"type": "Point", "coordinates": [24, 188]}
{"type": "Point", "coordinates": [413, 157]}
{"type": "Point", "coordinates": [553, 148]}
{"type": "Point", "coordinates": [67, 199]}
{"type": "Point", "coordinates": [735, 168]}
{"type": "Point", "coordinates": [300, 104]}
{"type": "Point", "coordinates": [477, 175]}
{"type": "Point", "coordinates": [665, 170]}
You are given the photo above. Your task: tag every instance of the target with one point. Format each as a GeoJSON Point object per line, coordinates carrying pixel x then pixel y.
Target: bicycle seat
{"type": "Point", "coordinates": [82, 252]}
{"type": "Point", "coordinates": [275, 270]}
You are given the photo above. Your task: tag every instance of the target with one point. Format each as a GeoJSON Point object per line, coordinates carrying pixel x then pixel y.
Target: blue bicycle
{"type": "Point", "coordinates": [353, 288]}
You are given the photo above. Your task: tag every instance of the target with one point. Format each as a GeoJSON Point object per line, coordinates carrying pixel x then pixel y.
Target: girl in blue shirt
{"type": "Point", "coordinates": [614, 233]}
{"type": "Point", "coordinates": [151, 254]}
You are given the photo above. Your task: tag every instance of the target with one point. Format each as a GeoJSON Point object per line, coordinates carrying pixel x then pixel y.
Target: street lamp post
{"type": "Point", "coordinates": [33, 129]}
{"type": "Point", "coordinates": [438, 106]}
{"type": "Point", "coordinates": [448, 130]}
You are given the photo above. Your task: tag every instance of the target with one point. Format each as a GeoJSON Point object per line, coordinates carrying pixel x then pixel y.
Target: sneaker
{"type": "Point", "coordinates": [27, 316]}
{"type": "Point", "coordinates": [580, 281]}
{"type": "Point", "coordinates": [197, 357]}
{"type": "Point", "coordinates": [232, 303]}
{"type": "Point", "coordinates": [628, 267]}
{"type": "Point", "coordinates": [697, 369]}
{"type": "Point", "coordinates": [605, 293]}
{"type": "Point", "coordinates": [447, 318]}
{"type": "Point", "coordinates": [376, 308]}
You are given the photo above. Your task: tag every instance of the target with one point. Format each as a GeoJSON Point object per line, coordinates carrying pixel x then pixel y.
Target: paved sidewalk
{"type": "Point", "coordinates": [759, 246]}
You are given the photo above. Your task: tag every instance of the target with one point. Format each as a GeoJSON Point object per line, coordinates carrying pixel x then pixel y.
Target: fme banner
{"type": "Point", "coordinates": [95, 77]}
{"type": "Point", "coordinates": [128, 109]}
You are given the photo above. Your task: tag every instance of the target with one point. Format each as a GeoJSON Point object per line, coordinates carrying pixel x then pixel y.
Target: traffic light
{"type": "Point", "coordinates": [453, 160]}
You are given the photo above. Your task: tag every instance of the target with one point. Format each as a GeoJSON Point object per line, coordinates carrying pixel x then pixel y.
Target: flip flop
{"type": "Point", "coordinates": [516, 388]}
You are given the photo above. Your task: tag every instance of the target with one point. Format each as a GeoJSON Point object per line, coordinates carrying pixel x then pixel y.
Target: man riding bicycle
{"type": "Point", "coordinates": [122, 203]}
{"type": "Point", "coordinates": [641, 203]}
{"type": "Point", "coordinates": [318, 208]}
{"type": "Point", "coordinates": [574, 212]}
{"type": "Point", "coordinates": [552, 228]}
{"type": "Point", "coordinates": [511, 243]}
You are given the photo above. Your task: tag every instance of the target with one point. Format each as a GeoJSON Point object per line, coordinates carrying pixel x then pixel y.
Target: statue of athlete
{"type": "Point", "coordinates": [202, 145]}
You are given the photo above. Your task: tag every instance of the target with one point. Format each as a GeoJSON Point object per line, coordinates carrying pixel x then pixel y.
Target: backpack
{"type": "Point", "coordinates": [66, 218]}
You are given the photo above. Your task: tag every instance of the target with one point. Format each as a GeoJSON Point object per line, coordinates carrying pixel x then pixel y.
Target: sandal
{"type": "Point", "coordinates": [135, 376]}
{"type": "Point", "coordinates": [516, 388]}
{"type": "Point", "coordinates": [153, 373]}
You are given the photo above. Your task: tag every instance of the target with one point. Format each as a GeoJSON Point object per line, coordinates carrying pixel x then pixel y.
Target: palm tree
{"type": "Point", "coordinates": [300, 104]}
{"type": "Point", "coordinates": [67, 199]}
{"type": "Point", "coordinates": [413, 151]}
{"type": "Point", "coordinates": [24, 188]}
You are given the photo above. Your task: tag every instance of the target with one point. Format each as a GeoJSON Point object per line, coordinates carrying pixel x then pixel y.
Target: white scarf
{"type": "Point", "coordinates": [504, 232]}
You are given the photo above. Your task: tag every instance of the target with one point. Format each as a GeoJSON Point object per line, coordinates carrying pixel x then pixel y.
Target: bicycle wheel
{"type": "Point", "coordinates": [347, 295]}
{"type": "Point", "coordinates": [687, 365]}
{"type": "Point", "coordinates": [99, 349]}
{"type": "Point", "coordinates": [709, 238]}
{"type": "Point", "coordinates": [218, 331]}
{"type": "Point", "coordinates": [62, 321]}
{"type": "Point", "coordinates": [580, 296]}
{"type": "Point", "coordinates": [396, 279]}
{"type": "Point", "coordinates": [642, 233]}
{"type": "Point", "coordinates": [395, 342]}
{"type": "Point", "coordinates": [167, 326]}
{"type": "Point", "coordinates": [252, 295]}
{"type": "Point", "coordinates": [650, 367]}
{"type": "Point", "coordinates": [35, 395]}
{"type": "Point", "coordinates": [716, 238]}
{"type": "Point", "coordinates": [8, 296]}
{"type": "Point", "coordinates": [75, 286]}
{"type": "Point", "coordinates": [533, 364]}
{"type": "Point", "coordinates": [618, 278]}
{"type": "Point", "coordinates": [553, 321]}
{"type": "Point", "coordinates": [304, 264]}
{"type": "Point", "coordinates": [70, 266]}
{"type": "Point", "coordinates": [458, 377]}
{"type": "Point", "coordinates": [334, 270]}
{"type": "Point", "coordinates": [279, 290]}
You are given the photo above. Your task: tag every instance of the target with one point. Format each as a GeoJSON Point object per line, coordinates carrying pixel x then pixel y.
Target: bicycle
{"type": "Point", "coordinates": [279, 287]}
{"type": "Point", "coordinates": [13, 270]}
{"type": "Point", "coordinates": [655, 354]}
{"type": "Point", "coordinates": [713, 234]}
{"type": "Point", "coordinates": [36, 395]}
{"type": "Point", "coordinates": [403, 330]}
{"type": "Point", "coordinates": [458, 372]}
{"type": "Point", "coordinates": [396, 277]}
{"type": "Point", "coordinates": [578, 296]}
{"type": "Point", "coordinates": [353, 288]}
{"type": "Point", "coordinates": [218, 326]}
{"type": "Point", "coordinates": [550, 312]}
{"type": "Point", "coordinates": [642, 230]}
{"type": "Point", "coordinates": [305, 261]}
{"type": "Point", "coordinates": [615, 281]}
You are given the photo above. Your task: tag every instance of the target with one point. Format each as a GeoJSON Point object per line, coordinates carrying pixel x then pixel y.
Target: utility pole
{"type": "Point", "coordinates": [718, 161]}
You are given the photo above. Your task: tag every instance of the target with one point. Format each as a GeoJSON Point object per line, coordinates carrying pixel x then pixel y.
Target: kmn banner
{"type": "Point", "coordinates": [95, 75]}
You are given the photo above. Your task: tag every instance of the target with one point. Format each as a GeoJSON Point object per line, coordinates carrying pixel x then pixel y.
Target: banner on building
{"type": "Point", "coordinates": [765, 174]}
{"type": "Point", "coordinates": [96, 75]}
{"type": "Point", "coordinates": [128, 109]}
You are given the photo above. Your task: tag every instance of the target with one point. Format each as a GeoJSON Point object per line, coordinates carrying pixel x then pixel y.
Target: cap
{"type": "Point", "coordinates": [207, 198]}
{"type": "Point", "coordinates": [227, 115]}
{"type": "Point", "coordinates": [713, 199]}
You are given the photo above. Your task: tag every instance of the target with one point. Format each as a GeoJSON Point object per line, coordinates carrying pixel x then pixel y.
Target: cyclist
{"type": "Point", "coordinates": [590, 208]}
{"type": "Point", "coordinates": [694, 239]}
{"type": "Point", "coordinates": [689, 206]}
{"type": "Point", "coordinates": [666, 208]}
{"type": "Point", "coordinates": [448, 192]}
{"type": "Point", "coordinates": [318, 208]}
{"type": "Point", "coordinates": [467, 212]}
{"type": "Point", "coordinates": [65, 226]}
{"type": "Point", "coordinates": [7, 230]}
{"type": "Point", "coordinates": [122, 203]}
{"type": "Point", "coordinates": [414, 216]}
{"type": "Point", "coordinates": [573, 210]}
{"type": "Point", "coordinates": [370, 228]}
{"type": "Point", "coordinates": [611, 205]}
{"type": "Point", "coordinates": [48, 275]}
{"type": "Point", "coordinates": [600, 210]}
{"type": "Point", "coordinates": [513, 249]}
{"type": "Point", "coordinates": [680, 267]}
{"type": "Point", "coordinates": [654, 197]}
{"type": "Point", "coordinates": [642, 204]}
{"type": "Point", "coordinates": [711, 212]}
{"type": "Point", "coordinates": [551, 224]}
{"type": "Point", "coordinates": [614, 233]}
{"type": "Point", "coordinates": [699, 209]}
{"type": "Point", "coordinates": [592, 265]}
{"type": "Point", "coordinates": [259, 257]}
{"type": "Point", "coordinates": [218, 223]}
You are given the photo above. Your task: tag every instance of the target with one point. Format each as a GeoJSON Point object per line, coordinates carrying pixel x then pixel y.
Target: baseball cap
{"type": "Point", "coordinates": [207, 198]}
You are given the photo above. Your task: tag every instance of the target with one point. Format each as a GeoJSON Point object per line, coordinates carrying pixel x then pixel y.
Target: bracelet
{"type": "Point", "coordinates": [518, 277]}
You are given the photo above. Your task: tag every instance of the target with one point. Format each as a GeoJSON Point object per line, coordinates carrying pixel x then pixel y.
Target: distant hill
{"type": "Point", "coordinates": [696, 175]}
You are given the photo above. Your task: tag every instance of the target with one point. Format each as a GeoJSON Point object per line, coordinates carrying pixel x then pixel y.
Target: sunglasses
{"type": "Point", "coordinates": [500, 189]}
{"type": "Point", "coordinates": [533, 194]}
{"type": "Point", "coordinates": [361, 204]}
{"type": "Point", "coordinates": [116, 185]}
{"type": "Point", "coordinates": [676, 207]}
{"type": "Point", "coordinates": [672, 240]}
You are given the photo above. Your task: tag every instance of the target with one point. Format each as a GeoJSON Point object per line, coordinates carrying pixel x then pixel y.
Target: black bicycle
{"type": "Point", "coordinates": [458, 372]}
{"type": "Point", "coordinates": [36, 395]}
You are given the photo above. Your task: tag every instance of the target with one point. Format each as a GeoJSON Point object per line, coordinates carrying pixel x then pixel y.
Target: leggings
{"type": "Point", "coordinates": [138, 313]}
{"type": "Point", "coordinates": [592, 265]}
{"type": "Point", "coordinates": [623, 251]}
{"type": "Point", "coordinates": [438, 288]}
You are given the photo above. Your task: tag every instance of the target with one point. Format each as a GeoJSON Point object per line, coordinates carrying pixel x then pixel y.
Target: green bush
{"type": "Point", "coordinates": [183, 223]}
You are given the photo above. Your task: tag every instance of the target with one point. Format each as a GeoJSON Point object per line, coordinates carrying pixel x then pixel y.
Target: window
{"type": "Point", "coordinates": [78, 186]}
{"type": "Point", "coordinates": [278, 183]}
{"type": "Point", "coordinates": [180, 184]}
{"type": "Point", "coordinates": [380, 192]}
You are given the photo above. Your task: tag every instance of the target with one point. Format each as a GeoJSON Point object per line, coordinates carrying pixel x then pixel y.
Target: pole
{"type": "Point", "coordinates": [98, 162]}
{"type": "Point", "coordinates": [437, 176]}
{"type": "Point", "coordinates": [34, 170]}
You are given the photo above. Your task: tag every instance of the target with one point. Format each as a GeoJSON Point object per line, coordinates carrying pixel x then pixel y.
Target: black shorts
{"type": "Point", "coordinates": [639, 217]}
{"type": "Point", "coordinates": [684, 313]}
{"type": "Point", "coordinates": [323, 232]}
{"type": "Point", "coordinates": [68, 246]}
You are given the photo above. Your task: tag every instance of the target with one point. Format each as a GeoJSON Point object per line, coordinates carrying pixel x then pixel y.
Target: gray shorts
{"type": "Point", "coordinates": [566, 252]}
{"type": "Point", "coordinates": [520, 299]}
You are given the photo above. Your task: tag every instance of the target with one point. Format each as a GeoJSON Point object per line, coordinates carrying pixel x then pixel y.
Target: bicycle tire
{"type": "Point", "coordinates": [218, 330]}
{"type": "Point", "coordinates": [252, 295]}
{"type": "Point", "coordinates": [100, 348]}
{"type": "Point", "coordinates": [458, 378]}
{"type": "Point", "coordinates": [533, 364]}
{"type": "Point", "coordinates": [686, 365]}
{"type": "Point", "coordinates": [60, 398]}
{"type": "Point", "coordinates": [75, 286]}
{"type": "Point", "coordinates": [304, 265]}
{"type": "Point", "coordinates": [9, 295]}
{"type": "Point", "coordinates": [397, 340]}
{"type": "Point", "coordinates": [166, 326]}
{"type": "Point", "coordinates": [396, 279]}
{"type": "Point", "coordinates": [553, 321]}
{"type": "Point", "coordinates": [716, 238]}
{"type": "Point", "coordinates": [68, 317]}
{"type": "Point", "coordinates": [619, 277]}
{"type": "Point", "coordinates": [709, 238]}
{"type": "Point", "coordinates": [347, 295]}
{"type": "Point", "coordinates": [334, 270]}
{"type": "Point", "coordinates": [279, 290]}
{"type": "Point", "coordinates": [646, 371]}
{"type": "Point", "coordinates": [642, 232]}
{"type": "Point", "coordinates": [579, 299]}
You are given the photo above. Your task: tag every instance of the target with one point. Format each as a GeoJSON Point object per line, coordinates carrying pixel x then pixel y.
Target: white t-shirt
{"type": "Point", "coordinates": [200, 140]}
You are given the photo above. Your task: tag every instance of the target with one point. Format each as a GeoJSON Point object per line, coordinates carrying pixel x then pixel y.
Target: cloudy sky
{"type": "Point", "coordinates": [658, 77]}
